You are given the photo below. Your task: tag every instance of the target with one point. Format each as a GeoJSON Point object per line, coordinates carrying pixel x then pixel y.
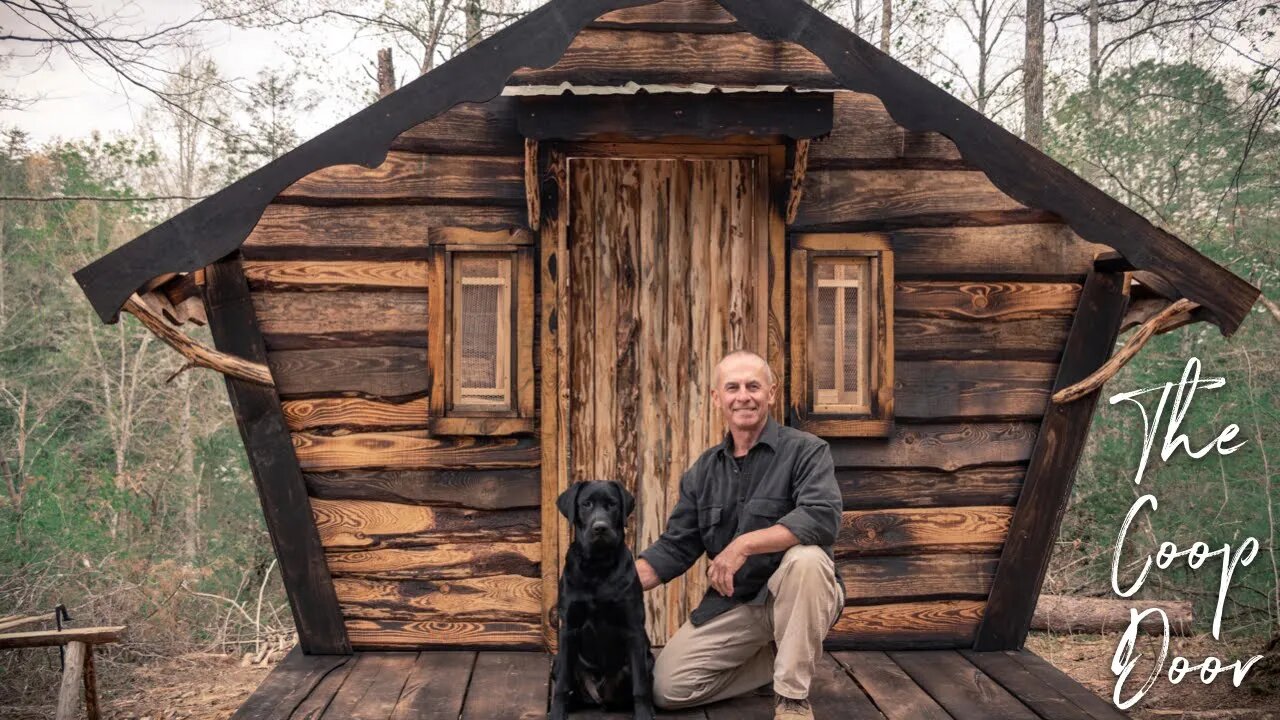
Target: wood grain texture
{"type": "Point", "coordinates": [985, 300]}
{"type": "Point", "coordinates": [310, 233]}
{"type": "Point", "coordinates": [843, 197]}
{"type": "Point", "coordinates": [276, 471]}
{"type": "Point", "coordinates": [1086, 700]}
{"type": "Point", "coordinates": [1045, 700]}
{"type": "Point", "coordinates": [290, 683]}
{"type": "Point", "coordinates": [963, 690]}
{"type": "Point", "coordinates": [947, 446]}
{"type": "Point", "coordinates": [380, 372]}
{"type": "Point", "coordinates": [354, 414]}
{"type": "Point", "coordinates": [615, 57]}
{"type": "Point", "coordinates": [914, 530]}
{"type": "Point", "coordinates": [875, 488]}
{"type": "Point", "coordinates": [412, 450]}
{"type": "Point", "coordinates": [1038, 340]}
{"type": "Point", "coordinates": [862, 132]}
{"type": "Point", "coordinates": [936, 624]}
{"type": "Point", "coordinates": [442, 635]}
{"type": "Point", "coordinates": [942, 390]}
{"type": "Point", "coordinates": [367, 524]}
{"type": "Point", "coordinates": [318, 701]}
{"type": "Point", "coordinates": [1043, 252]}
{"type": "Point", "coordinates": [300, 321]}
{"type": "Point", "coordinates": [326, 275]}
{"type": "Point", "coordinates": [512, 686]}
{"type": "Point", "coordinates": [447, 561]}
{"type": "Point", "coordinates": [494, 597]}
{"type": "Point", "coordinates": [479, 489]}
{"type": "Point", "coordinates": [417, 178]}
{"type": "Point", "coordinates": [436, 686]}
{"type": "Point", "coordinates": [832, 693]}
{"type": "Point", "coordinates": [893, 691]}
{"type": "Point", "coordinates": [878, 580]}
{"type": "Point", "coordinates": [1051, 470]}
{"type": "Point", "coordinates": [372, 687]}
{"type": "Point", "coordinates": [469, 128]}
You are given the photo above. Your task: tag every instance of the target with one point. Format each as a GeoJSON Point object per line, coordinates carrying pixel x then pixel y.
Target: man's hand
{"type": "Point", "coordinates": [648, 576]}
{"type": "Point", "coordinates": [726, 564]}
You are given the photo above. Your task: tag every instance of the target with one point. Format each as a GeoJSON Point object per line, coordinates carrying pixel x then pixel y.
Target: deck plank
{"type": "Point", "coordinates": [288, 685]}
{"type": "Point", "coordinates": [959, 687]}
{"type": "Point", "coordinates": [1034, 692]}
{"type": "Point", "coordinates": [436, 687]}
{"type": "Point", "coordinates": [889, 687]}
{"type": "Point", "coordinates": [318, 701]}
{"type": "Point", "coordinates": [373, 687]}
{"type": "Point", "coordinates": [508, 686]}
{"type": "Point", "coordinates": [743, 707]}
{"type": "Point", "coordinates": [834, 694]}
{"type": "Point", "coordinates": [1096, 707]}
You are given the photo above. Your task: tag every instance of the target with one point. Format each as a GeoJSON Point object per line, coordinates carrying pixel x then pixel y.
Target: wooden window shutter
{"type": "Point", "coordinates": [842, 334]}
{"type": "Point", "coordinates": [481, 340]}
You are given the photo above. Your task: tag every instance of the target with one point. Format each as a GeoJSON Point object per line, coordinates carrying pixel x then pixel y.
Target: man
{"type": "Point", "coordinates": [765, 507]}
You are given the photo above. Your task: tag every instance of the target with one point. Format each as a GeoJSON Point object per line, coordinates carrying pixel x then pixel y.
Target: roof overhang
{"type": "Point", "coordinates": [218, 225]}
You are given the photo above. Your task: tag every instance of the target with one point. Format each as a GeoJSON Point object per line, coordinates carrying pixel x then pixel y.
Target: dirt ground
{"type": "Point", "coordinates": [209, 687]}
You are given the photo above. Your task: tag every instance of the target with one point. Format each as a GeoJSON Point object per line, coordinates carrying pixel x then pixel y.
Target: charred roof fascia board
{"type": "Point", "coordinates": [218, 225]}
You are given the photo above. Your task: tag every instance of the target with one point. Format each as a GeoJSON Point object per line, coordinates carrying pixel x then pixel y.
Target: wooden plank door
{"type": "Point", "coordinates": [668, 270]}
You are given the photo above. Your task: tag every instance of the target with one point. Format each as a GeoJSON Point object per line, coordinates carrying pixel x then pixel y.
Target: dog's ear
{"type": "Point", "coordinates": [568, 502]}
{"type": "Point", "coordinates": [625, 497]}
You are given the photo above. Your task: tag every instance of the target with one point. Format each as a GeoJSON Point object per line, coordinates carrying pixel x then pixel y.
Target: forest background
{"type": "Point", "coordinates": [126, 494]}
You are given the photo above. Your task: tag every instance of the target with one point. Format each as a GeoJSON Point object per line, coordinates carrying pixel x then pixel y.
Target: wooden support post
{"type": "Point", "coordinates": [532, 191]}
{"type": "Point", "coordinates": [72, 672]}
{"type": "Point", "coordinates": [799, 167]}
{"type": "Point", "coordinates": [90, 686]}
{"type": "Point", "coordinates": [276, 472]}
{"type": "Point", "coordinates": [1051, 470]}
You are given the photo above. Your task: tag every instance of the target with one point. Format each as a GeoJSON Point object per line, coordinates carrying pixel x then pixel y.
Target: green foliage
{"type": "Point", "coordinates": [1194, 151]}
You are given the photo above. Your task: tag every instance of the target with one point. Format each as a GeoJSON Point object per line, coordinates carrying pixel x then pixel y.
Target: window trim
{"type": "Point", "coordinates": [443, 417]}
{"type": "Point", "coordinates": [806, 249]}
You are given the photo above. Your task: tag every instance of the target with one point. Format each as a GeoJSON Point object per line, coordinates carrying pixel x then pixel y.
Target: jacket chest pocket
{"type": "Point", "coordinates": [764, 512]}
{"type": "Point", "coordinates": [709, 526]}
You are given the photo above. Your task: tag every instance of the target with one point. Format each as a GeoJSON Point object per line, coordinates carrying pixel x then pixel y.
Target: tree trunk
{"type": "Point", "coordinates": [1033, 75]}
{"type": "Point", "coordinates": [187, 470]}
{"type": "Point", "coordinates": [473, 22]}
{"type": "Point", "coordinates": [386, 73]}
{"type": "Point", "coordinates": [1066, 613]}
{"type": "Point", "coordinates": [886, 22]}
{"type": "Point", "coordinates": [1095, 59]}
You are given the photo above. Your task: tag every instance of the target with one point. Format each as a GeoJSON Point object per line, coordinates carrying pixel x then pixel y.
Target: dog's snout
{"type": "Point", "coordinates": [600, 527]}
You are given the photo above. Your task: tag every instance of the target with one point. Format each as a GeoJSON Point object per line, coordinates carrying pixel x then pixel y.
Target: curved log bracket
{"type": "Point", "coordinates": [197, 355]}
{"type": "Point", "coordinates": [1174, 315]}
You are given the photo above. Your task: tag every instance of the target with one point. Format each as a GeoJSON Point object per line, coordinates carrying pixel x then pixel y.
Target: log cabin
{"type": "Point", "coordinates": [519, 271]}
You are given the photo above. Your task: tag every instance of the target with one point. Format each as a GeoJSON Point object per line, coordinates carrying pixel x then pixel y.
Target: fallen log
{"type": "Point", "coordinates": [1066, 613]}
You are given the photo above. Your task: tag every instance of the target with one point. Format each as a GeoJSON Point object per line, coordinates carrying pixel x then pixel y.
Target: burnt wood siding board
{"type": "Point", "coordinates": [217, 226]}
{"type": "Point", "coordinates": [650, 116]}
{"type": "Point", "coordinates": [1051, 468]}
{"type": "Point", "coordinates": [281, 490]}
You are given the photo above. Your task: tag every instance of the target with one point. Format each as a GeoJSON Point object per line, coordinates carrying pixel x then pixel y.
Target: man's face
{"type": "Point", "coordinates": [743, 392]}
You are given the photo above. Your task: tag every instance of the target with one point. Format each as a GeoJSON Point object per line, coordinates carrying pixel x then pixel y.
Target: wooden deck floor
{"type": "Point", "coordinates": [514, 686]}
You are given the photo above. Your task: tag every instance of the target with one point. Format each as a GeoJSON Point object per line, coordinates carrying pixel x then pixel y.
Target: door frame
{"type": "Point", "coordinates": [553, 163]}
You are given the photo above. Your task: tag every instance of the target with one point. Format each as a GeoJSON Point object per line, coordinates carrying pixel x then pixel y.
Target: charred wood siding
{"type": "Point", "coordinates": [435, 541]}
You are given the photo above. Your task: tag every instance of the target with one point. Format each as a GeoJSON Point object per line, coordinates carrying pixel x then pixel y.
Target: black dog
{"type": "Point", "coordinates": [604, 656]}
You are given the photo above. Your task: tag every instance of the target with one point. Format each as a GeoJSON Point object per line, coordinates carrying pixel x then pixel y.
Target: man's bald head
{"type": "Point", "coordinates": [744, 355]}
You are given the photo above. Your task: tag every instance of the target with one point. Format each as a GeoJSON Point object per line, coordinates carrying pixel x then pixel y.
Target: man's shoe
{"type": "Point", "coordinates": [790, 709]}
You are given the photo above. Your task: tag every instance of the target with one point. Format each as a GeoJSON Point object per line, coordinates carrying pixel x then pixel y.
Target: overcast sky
{"type": "Point", "coordinates": [76, 101]}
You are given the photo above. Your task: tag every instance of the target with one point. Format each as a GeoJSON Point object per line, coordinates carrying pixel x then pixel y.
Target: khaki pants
{"type": "Point", "coordinates": [730, 654]}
